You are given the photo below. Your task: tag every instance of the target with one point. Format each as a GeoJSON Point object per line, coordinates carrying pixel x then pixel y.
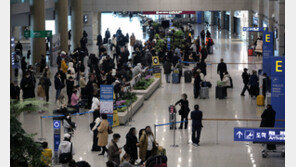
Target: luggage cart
{"type": "Point", "coordinates": [172, 116]}
{"type": "Point", "coordinates": [268, 148]}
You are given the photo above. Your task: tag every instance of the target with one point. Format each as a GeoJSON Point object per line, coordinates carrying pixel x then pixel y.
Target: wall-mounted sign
{"type": "Point", "coordinates": [168, 12]}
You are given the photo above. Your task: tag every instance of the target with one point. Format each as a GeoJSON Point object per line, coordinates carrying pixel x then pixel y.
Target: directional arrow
{"type": "Point", "coordinates": [239, 134]}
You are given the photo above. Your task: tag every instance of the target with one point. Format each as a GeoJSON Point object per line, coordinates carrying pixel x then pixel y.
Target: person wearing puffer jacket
{"type": "Point", "coordinates": [65, 147]}
{"type": "Point", "coordinates": [137, 69]}
{"type": "Point", "coordinates": [71, 67]}
{"type": "Point", "coordinates": [226, 80]}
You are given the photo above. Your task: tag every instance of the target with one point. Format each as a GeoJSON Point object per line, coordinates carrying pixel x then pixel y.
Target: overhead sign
{"type": "Point", "coordinates": [168, 12]}
{"type": "Point", "coordinates": [255, 29]}
{"type": "Point", "coordinates": [37, 34]}
{"type": "Point", "coordinates": [106, 101]}
{"type": "Point", "coordinates": [262, 135]}
{"type": "Point", "coordinates": [267, 52]}
{"type": "Point", "coordinates": [155, 60]}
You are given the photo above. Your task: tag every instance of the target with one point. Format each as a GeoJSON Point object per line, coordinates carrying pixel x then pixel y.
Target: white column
{"type": "Point", "coordinates": [260, 15]}
{"type": "Point", "coordinates": [250, 24]}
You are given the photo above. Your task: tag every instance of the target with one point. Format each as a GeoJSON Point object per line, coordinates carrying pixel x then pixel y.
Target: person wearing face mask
{"type": "Point", "coordinates": [28, 86]}
{"type": "Point", "coordinates": [66, 150]}
{"type": "Point", "coordinates": [184, 111]}
{"type": "Point", "coordinates": [68, 125]}
{"type": "Point", "coordinates": [114, 151]}
{"type": "Point", "coordinates": [148, 145]}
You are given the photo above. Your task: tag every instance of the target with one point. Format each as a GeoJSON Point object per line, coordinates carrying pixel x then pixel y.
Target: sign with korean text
{"type": "Point", "coordinates": [262, 135]}
{"type": "Point", "coordinates": [267, 52]}
{"type": "Point", "coordinates": [167, 12]}
{"type": "Point", "coordinates": [254, 29]}
{"type": "Point", "coordinates": [106, 101]}
{"type": "Point", "coordinates": [37, 34]}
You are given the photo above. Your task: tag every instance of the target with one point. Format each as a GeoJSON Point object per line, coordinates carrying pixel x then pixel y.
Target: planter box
{"type": "Point", "coordinates": [127, 114]}
{"type": "Point", "coordinates": [149, 91]}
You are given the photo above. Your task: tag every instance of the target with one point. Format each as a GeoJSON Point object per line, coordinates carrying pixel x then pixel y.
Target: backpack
{"type": "Point", "coordinates": [66, 157]}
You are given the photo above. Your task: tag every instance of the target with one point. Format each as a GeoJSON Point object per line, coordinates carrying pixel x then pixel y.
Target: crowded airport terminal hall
{"type": "Point", "coordinates": [147, 83]}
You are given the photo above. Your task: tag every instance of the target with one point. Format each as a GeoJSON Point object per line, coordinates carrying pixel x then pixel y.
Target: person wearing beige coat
{"type": "Point", "coordinates": [103, 134]}
{"type": "Point", "coordinates": [148, 145]}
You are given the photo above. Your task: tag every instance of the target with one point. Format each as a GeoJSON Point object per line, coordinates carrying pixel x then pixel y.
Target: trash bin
{"type": "Point", "coordinates": [172, 116]}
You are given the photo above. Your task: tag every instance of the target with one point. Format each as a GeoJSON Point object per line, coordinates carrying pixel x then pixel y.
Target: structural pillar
{"type": "Point", "coordinates": [281, 27]}
{"type": "Point", "coordinates": [99, 23]}
{"type": "Point", "coordinates": [222, 19]}
{"type": "Point", "coordinates": [231, 20]}
{"type": "Point", "coordinates": [76, 23]}
{"type": "Point", "coordinates": [260, 15]}
{"type": "Point", "coordinates": [38, 48]}
{"type": "Point", "coordinates": [250, 24]}
{"type": "Point", "coordinates": [212, 18]}
{"type": "Point", "coordinates": [61, 20]}
{"type": "Point", "coordinates": [270, 15]}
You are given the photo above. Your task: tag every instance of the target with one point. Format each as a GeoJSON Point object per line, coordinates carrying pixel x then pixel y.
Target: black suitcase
{"type": "Point", "coordinates": [220, 92]}
{"type": "Point", "coordinates": [188, 76]}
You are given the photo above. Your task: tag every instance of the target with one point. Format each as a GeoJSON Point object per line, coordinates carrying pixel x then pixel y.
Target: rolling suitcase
{"type": "Point", "coordinates": [220, 92]}
{"type": "Point", "coordinates": [260, 100]}
{"type": "Point", "coordinates": [188, 76]}
{"type": "Point", "coordinates": [175, 78]}
{"type": "Point", "coordinates": [204, 92]}
{"type": "Point", "coordinates": [250, 52]}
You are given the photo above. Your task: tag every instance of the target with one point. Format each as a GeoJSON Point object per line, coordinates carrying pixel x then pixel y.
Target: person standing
{"type": "Point", "coordinates": [222, 68]}
{"type": "Point", "coordinates": [132, 40]}
{"type": "Point", "coordinates": [14, 91]}
{"type": "Point", "coordinates": [70, 87]}
{"type": "Point", "coordinates": [46, 85]}
{"type": "Point", "coordinates": [167, 67]}
{"type": "Point", "coordinates": [113, 150]}
{"type": "Point", "coordinates": [46, 156]}
{"type": "Point", "coordinates": [103, 134]}
{"type": "Point", "coordinates": [246, 78]}
{"type": "Point", "coordinates": [97, 122]}
{"type": "Point", "coordinates": [24, 66]}
{"type": "Point", "coordinates": [266, 85]}
{"type": "Point", "coordinates": [254, 84]}
{"type": "Point", "coordinates": [131, 145]}
{"type": "Point", "coordinates": [147, 144]}
{"type": "Point", "coordinates": [196, 117]}
{"type": "Point", "coordinates": [65, 148]}
{"type": "Point", "coordinates": [107, 35]}
{"type": "Point", "coordinates": [268, 117]}
{"type": "Point", "coordinates": [203, 67]}
{"type": "Point", "coordinates": [41, 93]}
{"type": "Point", "coordinates": [99, 40]}
{"type": "Point", "coordinates": [204, 52]}
{"type": "Point", "coordinates": [58, 84]}
{"type": "Point", "coordinates": [19, 48]}
{"type": "Point", "coordinates": [28, 86]}
{"type": "Point", "coordinates": [42, 63]}
{"type": "Point", "coordinates": [184, 111]}
{"type": "Point", "coordinates": [196, 84]}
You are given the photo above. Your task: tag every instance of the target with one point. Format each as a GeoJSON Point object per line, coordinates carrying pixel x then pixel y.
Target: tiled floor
{"type": "Point", "coordinates": [215, 151]}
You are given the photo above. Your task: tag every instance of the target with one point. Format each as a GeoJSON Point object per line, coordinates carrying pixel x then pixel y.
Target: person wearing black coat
{"type": "Point", "coordinates": [99, 40]}
{"type": "Point", "coordinates": [202, 35]}
{"type": "Point", "coordinates": [203, 67]}
{"type": "Point", "coordinates": [23, 66]}
{"type": "Point", "coordinates": [14, 91]}
{"type": "Point", "coordinates": [266, 85]}
{"type": "Point", "coordinates": [46, 83]}
{"type": "Point", "coordinates": [42, 63]}
{"type": "Point", "coordinates": [107, 34]}
{"type": "Point", "coordinates": [70, 87]}
{"type": "Point", "coordinates": [268, 117]}
{"type": "Point", "coordinates": [19, 47]}
{"type": "Point", "coordinates": [28, 87]}
{"type": "Point", "coordinates": [204, 52]}
{"type": "Point", "coordinates": [196, 117]}
{"type": "Point", "coordinates": [90, 89]}
{"type": "Point", "coordinates": [222, 68]}
{"type": "Point", "coordinates": [58, 84]}
{"type": "Point", "coordinates": [196, 85]}
{"type": "Point", "coordinates": [131, 145]}
{"type": "Point", "coordinates": [167, 68]}
{"type": "Point", "coordinates": [184, 111]}
{"type": "Point", "coordinates": [246, 78]}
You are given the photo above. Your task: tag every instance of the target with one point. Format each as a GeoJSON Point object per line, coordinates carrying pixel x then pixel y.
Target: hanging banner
{"type": "Point", "coordinates": [255, 29]}
{"type": "Point", "coordinates": [278, 89]}
{"type": "Point", "coordinates": [199, 17]}
{"type": "Point", "coordinates": [167, 12]}
{"type": "Point", "coordinates": [106, 101]}
{"type": "Point", "coordinates": [267, 52]}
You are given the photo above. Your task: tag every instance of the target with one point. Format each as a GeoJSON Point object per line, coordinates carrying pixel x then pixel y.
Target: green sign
{"type": "Point", "coordinates": [37, 34]}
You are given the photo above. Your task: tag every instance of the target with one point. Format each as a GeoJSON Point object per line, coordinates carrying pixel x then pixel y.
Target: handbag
{"type": "Point", "coordinates": [110, 131]}
{"type": "Point", "coordinates": [66, 157]}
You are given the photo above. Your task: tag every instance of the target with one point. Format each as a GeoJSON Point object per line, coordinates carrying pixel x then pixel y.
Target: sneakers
{"type": "Point", "coordinates": [195, 145]}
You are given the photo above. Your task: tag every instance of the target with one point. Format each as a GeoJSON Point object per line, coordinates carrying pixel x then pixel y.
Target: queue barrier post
{"type": "Point", "coordinates": [41, 129]}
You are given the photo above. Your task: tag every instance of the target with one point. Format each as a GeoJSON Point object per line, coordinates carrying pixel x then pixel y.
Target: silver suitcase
{"type": "Point", "coordinates": [204, 92]}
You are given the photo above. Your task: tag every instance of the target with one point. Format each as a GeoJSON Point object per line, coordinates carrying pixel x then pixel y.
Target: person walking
{"type": "Point", "coordinates": [42, 64]}
{"type": "Point", "coordinates": [131, 145]}
{"type": "Point", "coordinates": [184, 111]}
{"type": "Point", "coordinates": [204, 52]}
{"type": "Point", "coordinates": [24, 66]}
{"type": "Point", "coordinates": [196, 117]}
{"type": "Point", "coordinates": [167, 67]}
{"type": "Point", "coordinates": [222, 68]}
{"type": "Point", "coordinates": [113, 150]}
{"type": "Point", "coordinates": [268, 117]}
{"type": "Point", "coordinates": [58, 84]}
{"type": "Point", "coordinates": [46, 83]}
{"type": "Point", "coordinates": [103, 134]}
{"type": "Point", "coordinates": [196, 84]}
{"type": "Point", "coordinates": [266, 85]}
{"type": "Point", "coordinates": [66, 150]}
{"type": "Point", "coordinates": [254, 84]}
{"type": "Point", "coordinates": [246, 78]}
{"type": "Point", "coordinates": [41, 94]}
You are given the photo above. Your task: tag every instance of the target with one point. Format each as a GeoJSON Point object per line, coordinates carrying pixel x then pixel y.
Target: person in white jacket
{"type": "Point", "coordinates": [226, 80]}
{"type": "Point", "coordinates": [66, 147]}
{"type": "Point", "coordinates": [95, 146]}
{"type": "Point", "coordinates": [95, 102]}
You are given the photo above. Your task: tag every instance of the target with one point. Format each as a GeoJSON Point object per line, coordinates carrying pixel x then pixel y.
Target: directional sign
{"type": "Point", "coordinates": [264, 135]}
{"type": "Point", "coordinates": [155, 60]}
{"type": "Point", "coordinates": [254, 29]}
{"type": "Point", "coordinates": [37, 34]}
{"type": "Point", "coordinates": [56, 124]}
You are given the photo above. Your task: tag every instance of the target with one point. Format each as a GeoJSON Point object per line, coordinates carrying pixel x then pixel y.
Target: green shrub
{"type": "Point", "coordinates": [143, 84]}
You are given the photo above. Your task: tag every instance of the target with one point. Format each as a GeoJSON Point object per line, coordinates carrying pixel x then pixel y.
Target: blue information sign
{"type": "Point", "coordinates": [278, 88]}
{"type": "Point", "coordinates": [199, 17]}
{"type": "Point", "coordinates": [57, 141]}
{"type": "Point", "coordinates": [56, 134]}
{"type": "Point", "coordinates": [262, 135]}
{"type": "Point", "coordinates": [56, 124]}
{"type": "Point", "coordinates": [255, 29]}
{"type": "Point", "coordinates": [268, 52]}
{"type": "Point", "coordinates": [106, 101]}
